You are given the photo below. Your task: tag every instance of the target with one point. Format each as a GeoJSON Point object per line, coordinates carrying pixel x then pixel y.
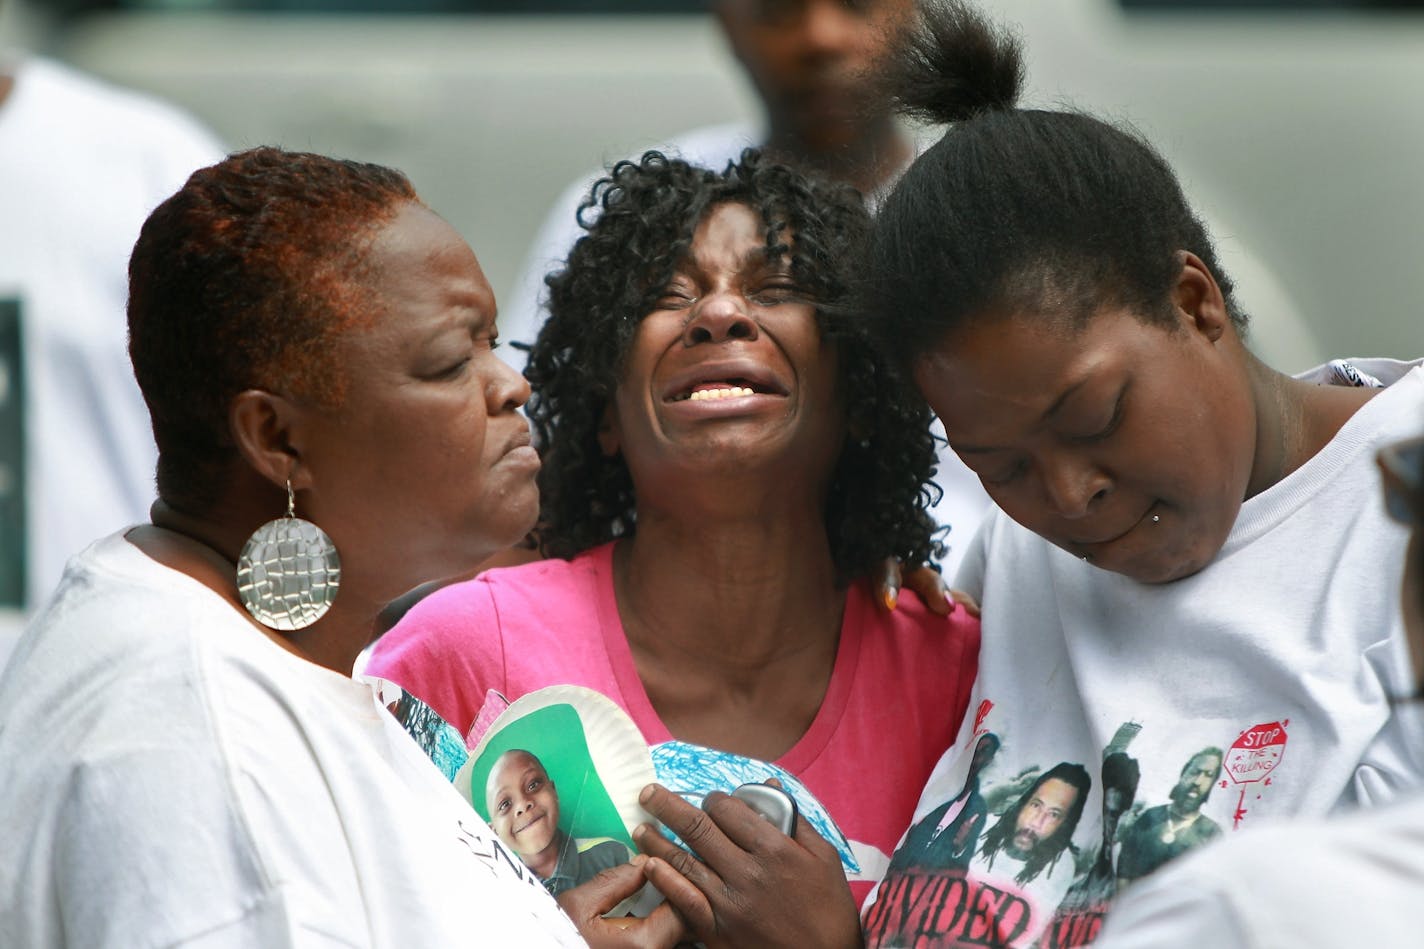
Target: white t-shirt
{"type": "Point", "coordinates": [1279, 655]}
{"type": "Point", "coordinates": [1354, 881]}
{"type": "Point", "coordinates": [81, 165]}
{"type": "Point", "coordinates": [964, 501]}
{"type": "Point", "coordinates": [174, 777]}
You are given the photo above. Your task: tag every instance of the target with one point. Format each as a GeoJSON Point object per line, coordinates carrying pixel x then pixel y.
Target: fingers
{"type": "Point", "coordinates": [682, 895]}
{"type": "Point", "coordinates": [888, 584]}
{"type": "Point", "coordinates": [655, 845]}
{"type": "Point", "coordinates": [662, 928]}
{"type": "Point", "coordinates": [605, 891]}
{"type": "Point", "coordinates": [692, 824]}
{"type": "Point", "coordinates": [818, 846]}
{"type": "Point", "coordinates": [966, 601]}
{"type": "Point", "coordinates": [932, 589]}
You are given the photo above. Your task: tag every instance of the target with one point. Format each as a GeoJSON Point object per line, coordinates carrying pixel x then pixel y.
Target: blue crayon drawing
{"type": "Point", "coordinates": [694, 771]}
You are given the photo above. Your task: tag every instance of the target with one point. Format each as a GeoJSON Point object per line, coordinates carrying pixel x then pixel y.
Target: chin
{"type": "Point", "coordinates": [1159, 571]}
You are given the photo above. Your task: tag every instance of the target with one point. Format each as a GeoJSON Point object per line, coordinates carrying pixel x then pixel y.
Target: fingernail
{"type": "Point", "coordinates": [645, 795]}
{"type": "Point", "coordinates": [639, 859]}
{"type": "Point", "coordinates": [892, 597]}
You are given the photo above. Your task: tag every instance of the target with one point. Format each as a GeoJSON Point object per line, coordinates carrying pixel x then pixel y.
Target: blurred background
{"type": "Point", "coordinates": [1296, 125]}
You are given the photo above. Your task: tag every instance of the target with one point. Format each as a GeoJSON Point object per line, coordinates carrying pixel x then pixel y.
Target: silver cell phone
{"type": "Point", "coordinates": [772, 803]}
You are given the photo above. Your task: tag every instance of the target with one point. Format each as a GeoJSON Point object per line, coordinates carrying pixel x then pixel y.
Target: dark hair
{"type": "Point", "coordinates": [1018, 211]}
{"type": "Point", "coordinates": [646, 212]}
{"type": "Point", "coordinates": [1051, 847]}
{"type": "Point", "coordinates": [1122, 772]}
{"type": "Point", "coordinates": [1211, 751]}
{"type": "Point", "coordinates": [241, 280]}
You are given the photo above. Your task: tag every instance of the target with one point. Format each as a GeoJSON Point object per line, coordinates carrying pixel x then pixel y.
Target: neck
{"type": "Point", "coordinates": [873, 160]}
{"type": "Point", "coordinates": [1177, 817]}
{"type": "Point", "coordinates": [1294, 421]}
{"type": "Point", "coordinates": [546, 861]}
{"type": "Point", "coordinates": [207, 550]}
{"type": "Point", "coordinates": [728, 594]}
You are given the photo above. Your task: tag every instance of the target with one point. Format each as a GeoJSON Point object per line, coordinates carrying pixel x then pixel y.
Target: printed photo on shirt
{"type": "Point", "coordinates": [557, 777]}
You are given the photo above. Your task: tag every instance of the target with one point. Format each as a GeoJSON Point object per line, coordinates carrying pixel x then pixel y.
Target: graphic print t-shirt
{"type": "Point", "coordinates": [1131, 723]}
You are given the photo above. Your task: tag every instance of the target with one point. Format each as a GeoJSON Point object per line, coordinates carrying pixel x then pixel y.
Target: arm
{"type": "Point", "coordinates": [1173, 909]}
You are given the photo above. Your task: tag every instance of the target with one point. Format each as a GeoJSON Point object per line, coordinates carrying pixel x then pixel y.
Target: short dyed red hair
{"type": "Point", "coordinates": [240, 281]}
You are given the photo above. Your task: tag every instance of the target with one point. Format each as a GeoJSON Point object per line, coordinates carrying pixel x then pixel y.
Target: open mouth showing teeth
{"type": "Point", "coordinates": [711, 391]}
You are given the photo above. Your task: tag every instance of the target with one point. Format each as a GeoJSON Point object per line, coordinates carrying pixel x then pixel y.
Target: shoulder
{"type": "Point", "coordinates": [911, 626]}
{"type": "Point", "coordinates": [549, 591]}
{"type": "Point", "coordinates": [600, 853]}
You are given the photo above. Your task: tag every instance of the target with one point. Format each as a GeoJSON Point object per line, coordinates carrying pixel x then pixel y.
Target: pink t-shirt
{"type": "Point", "coordinates": [897, 694]}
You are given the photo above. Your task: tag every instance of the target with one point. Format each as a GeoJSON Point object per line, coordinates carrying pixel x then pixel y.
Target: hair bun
{"type": "Point", "coordinates": [954, 64]}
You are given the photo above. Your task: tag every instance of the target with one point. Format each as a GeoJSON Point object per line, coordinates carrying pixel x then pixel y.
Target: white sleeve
{"type": "Point", "coordinates": [970, 575]}
{"type": "Point", "coordinates": [149, 852]}
{"type": "Point", "coordinates": [1171, 909]}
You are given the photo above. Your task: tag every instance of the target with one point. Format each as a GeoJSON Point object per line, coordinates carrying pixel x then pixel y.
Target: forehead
{"type": "Point", "coordinates": [1204, 762]}
{"type": "Point", "coordinates": [997, 376]}
{"type": "Point", "coordinates": [416, 243]}
{"type": "Point", "coordinates": [729, 234]}
{"type": "Point", "coordinates": [1056, 793]}
{"type": "Point", "coordinates": [514, 765]}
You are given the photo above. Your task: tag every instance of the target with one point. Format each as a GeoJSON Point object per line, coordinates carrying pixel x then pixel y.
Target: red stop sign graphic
{"type": "Point", "coordinates": [1256, 753]}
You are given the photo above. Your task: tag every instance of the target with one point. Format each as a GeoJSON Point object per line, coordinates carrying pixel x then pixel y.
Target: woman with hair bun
{"type": "Point", "coordinates": [1189, 551]}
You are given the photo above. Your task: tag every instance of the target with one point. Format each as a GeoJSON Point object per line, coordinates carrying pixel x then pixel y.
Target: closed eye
{"type": "Point", "coordinates": [675, 296]}
{"type": "Point", "coordinates": [776, 293]}
{"type": "Point", "coordinates": [1007, 476]}
{"type": "Point", "coordinates": [1107, 429]}
{"type": "Point", "coordinates": [452, 371]}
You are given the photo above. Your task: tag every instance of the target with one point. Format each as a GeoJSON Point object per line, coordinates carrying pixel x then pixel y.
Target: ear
{"type": "Point", "coordinates": [609, 439]}
{"type": "Point", "coordinates": [264, 427]}
{"type": "Point", "coordinates": [1198, 299]}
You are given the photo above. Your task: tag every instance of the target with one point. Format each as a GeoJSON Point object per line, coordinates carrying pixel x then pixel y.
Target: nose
{"type": "Point", "coordinates": [1074, 485]}
{"type": "Point", "coordinates": [505, 389]}
{"type": "Point", "coordinates": [828, 29]}
{"type": "Point", "coordinates": [717, 318]}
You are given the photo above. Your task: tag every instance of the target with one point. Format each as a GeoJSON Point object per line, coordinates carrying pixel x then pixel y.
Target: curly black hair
{"type": "Point", "coordinates": [640, 220]}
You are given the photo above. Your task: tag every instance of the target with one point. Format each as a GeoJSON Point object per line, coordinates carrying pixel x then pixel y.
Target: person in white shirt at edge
{"type": "Point", "coordinates": [809, 62]}
{"type": "Point", "coordinates": [1187, 552]}
{"type": "Point", "coordinates": [1350, 881]}
{"type": "Point", "coordinates": [82, 163]}
{"type": "Point", "coordinates": [1186, 560]}
{"type": "Point", "coordinates": [186, 757]}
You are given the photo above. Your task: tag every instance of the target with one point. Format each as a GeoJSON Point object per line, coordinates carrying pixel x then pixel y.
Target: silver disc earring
{"type": "Point", "coordinates": [289, 571]}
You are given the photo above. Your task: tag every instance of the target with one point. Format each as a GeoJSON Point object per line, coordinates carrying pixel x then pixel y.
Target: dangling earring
{"type": "Point", "coordinates": [289, 571]}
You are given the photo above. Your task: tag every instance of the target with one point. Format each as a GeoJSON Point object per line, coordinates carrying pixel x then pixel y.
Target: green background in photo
{"type": "Point", "coordinates": [555, 736]}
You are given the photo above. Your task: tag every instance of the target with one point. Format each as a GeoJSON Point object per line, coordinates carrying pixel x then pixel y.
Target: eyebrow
{"type": "Point", "coordinates": [1048, 414]}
